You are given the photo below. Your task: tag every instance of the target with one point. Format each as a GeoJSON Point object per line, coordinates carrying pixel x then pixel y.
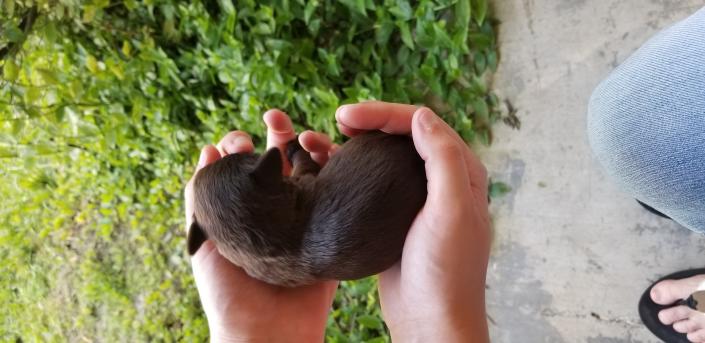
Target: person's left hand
{"type": "Point", "coordinates": [239, 307]}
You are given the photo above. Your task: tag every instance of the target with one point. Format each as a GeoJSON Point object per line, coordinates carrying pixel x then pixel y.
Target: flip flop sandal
{"type": "Point", "coordinates": [648, 310]}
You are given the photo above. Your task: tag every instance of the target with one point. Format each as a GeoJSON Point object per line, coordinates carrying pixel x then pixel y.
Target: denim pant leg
{"type": "Point", "coordinates": [646, 123]}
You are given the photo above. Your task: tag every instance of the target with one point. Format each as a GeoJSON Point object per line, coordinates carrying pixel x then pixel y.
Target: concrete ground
{"type": "Point", "coordinates": [572, 253]}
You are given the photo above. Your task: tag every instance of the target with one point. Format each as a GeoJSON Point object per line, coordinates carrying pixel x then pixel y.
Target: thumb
{"type": "Point", "coordinates": [446, 170]}
{"type": "Point", "coordinates": [209, 154]}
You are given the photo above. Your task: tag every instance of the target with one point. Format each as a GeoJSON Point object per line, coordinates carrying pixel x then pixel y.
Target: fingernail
{"type": "Point", "coordinates": [202, 159]}
{"type": "Point", "coordinates": [240, 141]}
{"type": "Point", "coordinates": [281, 128]}
{"type": "Point", "coordinates": [428, 119]}
{"type": "Point", "coordinates": [339, 111]}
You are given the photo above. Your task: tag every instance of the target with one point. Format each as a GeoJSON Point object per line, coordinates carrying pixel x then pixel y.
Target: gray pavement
{"type": "Point", "coordinates": [572, 253]}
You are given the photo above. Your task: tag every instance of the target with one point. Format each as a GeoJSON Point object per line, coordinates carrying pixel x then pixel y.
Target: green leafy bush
{"type": "Point", "coordinates": [103, 108]}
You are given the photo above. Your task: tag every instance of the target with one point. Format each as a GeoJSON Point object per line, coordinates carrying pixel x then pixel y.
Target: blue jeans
{"type": "Point", "coordinates": [646, 123]}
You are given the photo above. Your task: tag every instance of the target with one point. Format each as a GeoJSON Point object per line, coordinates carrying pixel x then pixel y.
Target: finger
{"type": "Point", "coordinates": [446, 170]}
{"type": "Point", "coordinates": [333, 149]}
{"type": "Point", "coordinates": [377, 115]}
{"type": "Point", "coordinates": [348, 131]}
{"type": "Point", "coordinates": [279, 132]}
{"type": "Point", "coordinates": [315, 142]}
{"type": "Point", "coordinates": [322, 157]}
{"type": "Point", "coordinates": [318, 144]}
{"type": "Point", "coordinates": [476, 170]}
{"type": "Point", "coordinates": [279, 129]}
{"type": "Point", "coordinates": [478, 174]}
{"type": "Point", "coordinates": [209, 154]}
{"type": "Point", "coordinates": [235, 142]}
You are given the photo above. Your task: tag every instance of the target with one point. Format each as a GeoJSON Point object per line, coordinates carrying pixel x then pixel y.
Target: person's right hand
{"type": "Point", "coordinates": [437, 291]}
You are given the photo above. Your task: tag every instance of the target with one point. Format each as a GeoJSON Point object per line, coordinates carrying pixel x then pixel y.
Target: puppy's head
{"type": "Point", "coordinates": [244, 205]}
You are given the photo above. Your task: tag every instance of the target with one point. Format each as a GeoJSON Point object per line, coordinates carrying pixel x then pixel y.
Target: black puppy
{"type": "Point", "coordinates": [344, 221]}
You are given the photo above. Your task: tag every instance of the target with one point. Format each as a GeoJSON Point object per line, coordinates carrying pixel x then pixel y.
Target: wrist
{"type": "Point", "coordinates": [432, 331]}
{"type": "Point", "coordinates": [222, 334]}
{"type": "Point", "coordinates": [469, 325]}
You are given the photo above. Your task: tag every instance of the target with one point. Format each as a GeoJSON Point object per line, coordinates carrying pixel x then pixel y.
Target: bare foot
{"type": "Point", "coordinates": [684, 319]}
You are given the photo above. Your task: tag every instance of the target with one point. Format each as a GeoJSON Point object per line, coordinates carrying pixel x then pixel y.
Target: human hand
{"type": "Point", "coordinates": [437, 291]}
{"type": "Point", "coordinates": [237, 306]}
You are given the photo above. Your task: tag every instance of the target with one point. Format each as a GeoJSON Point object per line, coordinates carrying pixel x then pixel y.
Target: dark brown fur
{"type": "Point", "coordinates": [344, 221]}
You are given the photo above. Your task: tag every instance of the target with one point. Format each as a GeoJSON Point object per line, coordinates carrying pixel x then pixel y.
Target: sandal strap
{"type": "Point", "coordinates": [696, 301]}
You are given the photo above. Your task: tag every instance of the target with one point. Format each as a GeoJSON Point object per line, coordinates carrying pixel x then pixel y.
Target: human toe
{"type": "Point", "coordinates": [685, 326]}
{"type": "Point", "coordinates": [697, 336]}
{"type": "Point", "coordinates": [669, 291]}
{"type": "Point", "coordinates": [674, 314]}
{"type": "Point", "coordinates": [694, 323]}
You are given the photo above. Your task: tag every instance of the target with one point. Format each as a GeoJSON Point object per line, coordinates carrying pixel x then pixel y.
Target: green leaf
{"type": "Point", "coordinates": [12, 33]}
{"type": "Point", "coordinates": [9, 7]}
{"type": "Point", "coordinates": [453, 62]}
{"type": "Point", "coordinates": [480, 41]}
{"type": "Point", "coordinates": [371, 322]}
{"type": "Point", "coordinates": [309, 10]}
{"type": "Point", "coordinates": [384, 30]}
{"type": "Point", "coordinates": [89, 12]}
{"type": "Point", "coordinates": [356, 6]}
{"type": "Point", "coordinates": [10, 70]}
{"type": "Point", "coordinates": [7, 152]}
{"type": "Point", "coordinates": [402, 10]}
{"type": "Point", "coordinates": [406, 34]}
{"type": "Point", "coordinates": [498, 189]}
{"type": "Point", "coordinates": [481, 109]}
{"type": "Point", "coordinates": [425, 34]}
{"type": "Point", "coordinates": [48, 76]}
{"type": "Point", "coordinates": [462, 15]}
{"type": "Point", "coordinates": [126, 48]}
{"type": "Point", "coordinates": [262, 29]}
{"type": "Point", "coordinates": [31, 95]}
{"type": "Point", "coordinates": [480, 62]}
{"type": "Point", "coordinates": [480, 11]}
{"type": "Point", "coordinates": [442, 36]}
{"type": "Point", "coordinates": [92, 64]}
{"type": "Point", "coordinates": [492, 60]}
{"type": "Point", "coordinates": [227, 6]}
{"type": "Point", "coordinates": [477, 86]}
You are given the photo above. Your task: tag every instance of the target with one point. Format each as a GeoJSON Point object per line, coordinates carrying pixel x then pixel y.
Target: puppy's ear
{"type": "Point", "coordinates": [268, 170]}
{"type": "Point", "coordinates": [195, 238]}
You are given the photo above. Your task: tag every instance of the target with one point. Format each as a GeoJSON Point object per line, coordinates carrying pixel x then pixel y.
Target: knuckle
{"type": "Point", "coordinates": [446, 148]}
{"type": "Point", "coordinates": [482, 170]}
{"type": "Point", "coordinates": [236, 133]}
